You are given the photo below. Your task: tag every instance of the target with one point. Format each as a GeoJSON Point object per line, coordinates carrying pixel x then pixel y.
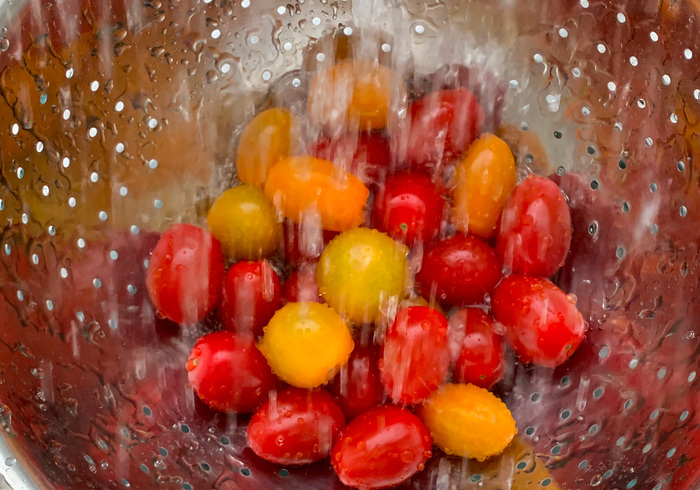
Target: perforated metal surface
{"type": "Point", "coordinates": [120, 121]}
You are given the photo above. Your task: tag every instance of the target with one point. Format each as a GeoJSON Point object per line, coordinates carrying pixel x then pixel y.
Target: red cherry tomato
{"type": "Point", "coordinates": [459, 271]}
{"type": "Point", "coordinates": [250, 298]}
{"type": "Point", "coordinates": [381, 448]}
{"type": "Point", "coordinates": [480, 361]}
{"type": "Point", "coordinates": [305, 242]}
{"type": "Point", "coordinates": [415, 355]}
{"type": "Point", "coordinates": [185, 273]}
{"type": "Point", "coordinates": [229, 373]}
{"type": "Point", "coordinates": [367, 155]}
{"type": "Point", "coordinates": [409, 207]}
{"type": "Point", "coordinates": [441, 127]}
{"type": "Point", "coordinates": [535, 228]}
{"type": "Point", "coordinates": [358, 386]}
{"type": "Point", "coordinates": [295, 426]}
{"type": "Point", "coordinates": [301, 286]}
{"type": "Point", "coordinates": [542, 323]}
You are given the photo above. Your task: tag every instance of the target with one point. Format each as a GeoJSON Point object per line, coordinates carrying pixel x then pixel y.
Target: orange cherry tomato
{"type": "Point", "coordinates": [302, 186]}
{"type": "Point", "coordinates": [353, 93]}
{"type": "Point", "coordinates": [483, 180]}
{"type": "Point", "coordinates": [266, 140]}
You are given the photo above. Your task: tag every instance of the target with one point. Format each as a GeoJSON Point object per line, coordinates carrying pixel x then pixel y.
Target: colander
{"type": "Point", "coordinates": [120, 118]}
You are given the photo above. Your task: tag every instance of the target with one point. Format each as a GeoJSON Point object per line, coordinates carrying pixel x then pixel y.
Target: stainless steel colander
{"type": "Point", "coordinates": [120, 118]}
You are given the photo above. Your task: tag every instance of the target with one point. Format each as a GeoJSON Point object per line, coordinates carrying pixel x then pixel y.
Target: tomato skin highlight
{"type": "Point", "coordinates": [381, 448]}
{"type": "Point", "coordinates": [358, 386]}
{"type": "Point", "coordinates": [459, 271]}
{"type": "Point", "coordinates": [250, 297]}
{"type": "Point", "coordinates": [409, 208]}
{"type": "Point", "coordinates": [184, 275]}
{"type": "Point", "coordinates": [542, 323]}
{"type": "Point", "coordinates": [481, 360]}
{"type": "Point", "coordinates": [535, 229]}
{"type": "Point", "coordinates": [295, 426]}
{"type": "Point", "coordinates": [229, 373]}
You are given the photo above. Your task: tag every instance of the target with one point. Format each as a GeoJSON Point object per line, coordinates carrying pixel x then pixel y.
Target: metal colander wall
{"type": "Point", "coordinates": [120, 119]}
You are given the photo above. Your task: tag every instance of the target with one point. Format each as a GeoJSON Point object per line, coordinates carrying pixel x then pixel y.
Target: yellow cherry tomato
{"type": "Point", "coordinates": [355, 94]}
{"type": "Point", "coordinates": [301, 185]}
{"type": "Point", "coordinates": [266, 140]}
{"type": "Point", "coordinates": [306, 344]}
{"type": "Point", "coordinates": [361, 270]}
{"type": "Point", "coordinates": [483, 180]}
{"type": "Point", "coordinates": [245, 223]}
{"type": "Point", "coordinates": [468, 421]}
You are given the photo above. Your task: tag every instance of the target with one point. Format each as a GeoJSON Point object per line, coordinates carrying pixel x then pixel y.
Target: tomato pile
{"type": "Point", "coordinates": [387, 223]}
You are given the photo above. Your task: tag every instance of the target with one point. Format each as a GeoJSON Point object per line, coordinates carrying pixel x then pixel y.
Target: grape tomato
{"type": "Point", "coordinates": [358, 386]}
{"type": "Point", "coordinates": [304, 242]}
{"type": "Point", "coordinates": [301, 286]}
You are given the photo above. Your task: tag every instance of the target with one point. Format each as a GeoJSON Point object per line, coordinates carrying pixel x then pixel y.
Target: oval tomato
{"type": "Point", "coordinates": [441, 126]}
{"type": "Point", "coordinates": [295, 426]}
{"type": "Point", "coordinates": [409, 207]}
{"type": "Point", "coordinates": [459, 271]}
{"type": "Point", "coordinates": [542, 323]}
{"type": "Point", "coordinates": [358, 386]}
{"type": "Point", "coordinates": [415, 354]}
{"type": "Point", "coordinates": [305, 242]}
{"type": "Point", "coordinates": [250, 297]}
{"type": "Point", "coordinates": [481, 351]}
{"type": "Point", "coordinates": [381, 448]}
{"type": "Point", "coordinates": [301, 286]}
{"type": "Point", "coordinates": [366, 155]}
{"type": "Point", "coordinates": [535, 229]}
{"type": "Point", "coordinates": [185, 273]}
{"type": "Point", "coordinates": [229, 373]}
{"type": "Point", "coordinates": [308, 188]}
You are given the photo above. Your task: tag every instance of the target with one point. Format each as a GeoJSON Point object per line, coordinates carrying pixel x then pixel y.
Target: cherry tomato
{"type": "Point", "coordinates": [459, 271]}
{"type": "Point", "coordinates": [185, 273]}
{"type": "Point", "coordinates": [310, 189]}
{"type": "Point", "coordinates": [468, 421]}
{"type": "Point", "coordinates": [366, 155]}
{"type": "Point", "coordinates": [301, 286]}
{"type": "Point", "coordinates": [409, 207]}
{"type": "Point", "coordinates": [481, 355]}
{"type": "Point", "coordinates": [358, 386]}
{"type": "Point", "coordinates": [305, 344]}
{"type": "Point", "coordinates": [295, 426]}
{"type": "Point", "coordinates": [305, 242]}
{"type": "Point", "coordinates": [250, 297]}
{"type": "Point", "coordinates": [267, 139]}
{"type": "Point", "coordinates": [229, 373]}
{"type": "Point", "coordinates": [483, 180]}
{"type": "Point", "coordinates": [441, 126]}
{"type": "Point", "coordinates": [542, 323]}
{"type": "Point", "coordinates": [535, 229]}
{"type": "Point", "coordinates": [415, 355]}
{"type": "Point", "coordinates": [245, 222]}
{"type": "Point", "coordinates": [381, 448]}
{"type": "Point", "coordinates": [359, 271]}
{"type": "Point", "coordinates": [354, 94]}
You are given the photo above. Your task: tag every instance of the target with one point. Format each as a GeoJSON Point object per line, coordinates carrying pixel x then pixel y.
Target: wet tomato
{"type": "Point", "coordinates": [541, 322]}
{"type": "Point", "coordinates": [483, 180]}
{"type": "Point", "coordinates": [459, 271]}
{"type": "Point", "coordinates": [267, 139]}
{"type": "Point", "coordinates": [185, 273]}
{"type": "Point", "coordinates": [295, 426]}
{"type": "Point", "coordinates": [441, 126]}
{"type": "Point", "coordinates": [359, 271]}
{"type": "Point", "coordinates": [245, 222]}
{"type": "Point", "coordinates": [308, 189]}
{"type": "Point", "coordinates": [354, 94]}
{"type": "Point", "coordinates": [415, 354]}
{"type": "Point", "coordinates": [250, 297]}
{"type": "Point", "coordinates": [535, 229]}
{"type": "Point", "coordinates": [358, 386]}
{"type": "Point", "coordinates": [305, 344]}
{"type": "Point", "coordinates": [305, 242]}
{"type": "Point", "coordinates": [301, 286]}
{"type": "Point", "coordinates": [481, 349]}
{"type": "Point", "coordinates": [229, 373]}
{"type": "Point", "coordinates": [381, 448]}
{"type": "Point", "coordinates": [468, 421]}
{"type": "Point", "coordinates": [409, 207]}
